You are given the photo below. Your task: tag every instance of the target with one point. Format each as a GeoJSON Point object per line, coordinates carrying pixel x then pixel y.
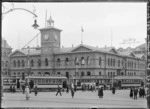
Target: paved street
{"type": "Point", "coordinates": [81, 99]}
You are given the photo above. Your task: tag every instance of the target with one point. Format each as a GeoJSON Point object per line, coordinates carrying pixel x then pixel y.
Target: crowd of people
{"type": "Point", "coordinates": [134, 92]}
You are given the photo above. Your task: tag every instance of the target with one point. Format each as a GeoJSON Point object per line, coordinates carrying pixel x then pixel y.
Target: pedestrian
{"type": "Point", "coordinates": [72, 90]}
{"type": "Point", "coordinates": [100, 92]}
{"type": "Point", "coordinates": [23, 88]}
{"type": "Point", "coordinates": [67, 91]}
{"type": "Point", "coordinates": [10, 88]}
{"type": "Point", "coordinates": [27, 93]}
{"type": "Point", "coordinates": [13, 88]}
{"type": "Point", "coordinates": [131, 92]}
{"type": "Point", "coordinates": [35, 90]}
{"type": "Point", "coordinates": [59, 91]}
{"type": "Point", "coordinates": [113, 90]}
{"type": "Point", "coordinates": [135, 93]}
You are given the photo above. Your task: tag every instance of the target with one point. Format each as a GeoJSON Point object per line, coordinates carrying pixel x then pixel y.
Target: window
{"type": "Point", "coordinates": [82, 73]}
{"type": "Point", "coordinates": [100, 60]}
{"type": "Point", "coordinates": [67, 74]}
{"type": "Point", "coordinates": [100, 73]}
{"type": "Point", "coordinates": [114, 62]}
{"type": "Point", "coordinates": [88, 73]}
{"type": "Point", "coordinates": [14, 73]}
{"type": "Point", "coordinates": [76, 61]}
{"type": "Point", "coordinates": [122, 63]}
{"type": "Point", "coordinates": [32, 63]}
{"type": "Point", "coordinates": [134, 73]}
{"type": "Point", "coordinates": [23, 63]}
{"type": "Point", "coordinates": [108, 61]}
{"type": "Point", "coordinates": [39, 73]}
{"type": "Point", "coordinates": [6, 65]}
{"type": "Point", "coordinates": [39, 63]}
{"type": "Point", "coordinates": [67, 61]}
{"type": "Point", "coordinates": [118, 63]}
{"type": "Point", "coordinates": [46, 62]}
{"type": "Point", "coordinates": [18, 63]}
{"type": "Point", "coordinates": [58, 61]}
{"type": "Point", "coordinates": [111, 62]}
{"type": "Point", "coordinates": [18, 74]}
{"type": "Point", "coordinates": [82, 61]}
{"type": "Point", "coordinates": [58, 73]}
{"type": "Point", "coordinates": [108, 74]}
{"type": "Point", "coordinates": [135, 64]}
{"type": "Point", "coordinates": [88, 60]}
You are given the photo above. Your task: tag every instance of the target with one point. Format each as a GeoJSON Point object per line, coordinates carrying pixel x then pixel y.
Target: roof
{"type": "Point", "coordinates": [5, 44]}
{"type": "Point", "coordinates": [25, 52]}
{"type": "Point", "coordinates": [50, 27]}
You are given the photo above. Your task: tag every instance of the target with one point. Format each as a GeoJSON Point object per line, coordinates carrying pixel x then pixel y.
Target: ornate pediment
{"type": "Point", "coordinates": [17, 53]}
{"type": "Point", "coordinates": [81, 49]}
{"type": "Point", "coordinates": [113, 51]}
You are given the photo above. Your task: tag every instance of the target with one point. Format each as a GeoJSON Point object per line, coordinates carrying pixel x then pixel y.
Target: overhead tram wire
{"type": "Point", "coordinates": [31, 40]}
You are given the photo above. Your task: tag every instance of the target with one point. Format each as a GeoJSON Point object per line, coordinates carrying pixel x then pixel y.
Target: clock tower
{"type": "Point", "coordinates": [50, 38]}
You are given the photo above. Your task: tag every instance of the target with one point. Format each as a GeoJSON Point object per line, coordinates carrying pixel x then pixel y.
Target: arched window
{"type": "Point", "coordinates": [100, 60]}
{"type": "Point", "coordinates": [23, 64]}
{"type": "Point", "coordinates": [88, 60]}
{"type": "Point", "coordinates": [39, 62]}
{"type": "Point", "coordinates": [76, 61]}
{"type": "Point", "coordinates": [82, 60]}
{"type": "Point", "coordinates": [39, 74]}
{"type": "Point", "coordinates": [32, 63]}
{"type": "Point", "coordinates": [58, 61]}
{"type": "Point", "coordinates": [46, 62]}
{"type": "Point", "coordinates": [18, 63]}
{"type": "Point", "coordinates": [66, 61]}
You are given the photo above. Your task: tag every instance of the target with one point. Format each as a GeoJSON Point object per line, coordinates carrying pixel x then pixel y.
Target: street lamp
{"type": "Point", "coordinates": [35, 25]}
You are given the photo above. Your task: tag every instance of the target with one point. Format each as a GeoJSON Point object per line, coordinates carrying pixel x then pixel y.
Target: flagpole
{"type": "Point", "coordinates": [81, 35]}
{"type": "Point", "coordinates": [46, 18]}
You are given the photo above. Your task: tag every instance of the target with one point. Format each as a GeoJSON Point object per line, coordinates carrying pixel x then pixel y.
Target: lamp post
{"type": "Point", "coordinates": [35, 25]}
{"type": "Point", "coordinates": [28, 65]}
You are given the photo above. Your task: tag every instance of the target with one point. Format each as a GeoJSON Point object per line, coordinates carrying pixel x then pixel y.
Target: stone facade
{"type": "Point", "coordinates": [82, 60]}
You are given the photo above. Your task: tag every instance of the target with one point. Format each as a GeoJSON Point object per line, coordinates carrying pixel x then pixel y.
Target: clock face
{"type": "Point", "coordinates": [46, 37]}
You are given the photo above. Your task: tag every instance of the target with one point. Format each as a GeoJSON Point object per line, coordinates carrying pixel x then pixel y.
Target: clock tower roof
{"type": "Point", "coordinates": [50, 28]}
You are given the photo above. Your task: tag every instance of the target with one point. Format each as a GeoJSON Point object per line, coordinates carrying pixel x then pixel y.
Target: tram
{"type": "Point", "coordinates": [47, 83]}
{"type": "Point", "coordinates": [7, 81]}
{"type": "Point", "coordinates": [129, 81]}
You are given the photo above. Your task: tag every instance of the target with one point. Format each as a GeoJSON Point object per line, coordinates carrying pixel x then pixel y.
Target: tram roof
{"type": "Point", "coordinates": [48, 77]}
{"type": "Point", "coordinates": [128, 77]}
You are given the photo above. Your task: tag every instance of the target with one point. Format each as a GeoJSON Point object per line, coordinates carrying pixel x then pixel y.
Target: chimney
{"type": "Point", "coordinates": [62, 46]}
{"type": "Point", "coordinates": [105, 46]}
{"type": "Point", "coordinates": [72, 45]}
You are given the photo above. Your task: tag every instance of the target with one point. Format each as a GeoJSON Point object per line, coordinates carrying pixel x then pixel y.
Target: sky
{"type": "Point", "coordinates": [103, 23]}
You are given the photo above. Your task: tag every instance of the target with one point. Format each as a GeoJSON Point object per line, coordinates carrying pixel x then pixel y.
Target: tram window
{"type": "Point", "coordinates": [54, 81]}
{"type": "Point", "coordinates": [50, 81]}
{"type": "Point", "coordinates": [39, 81]}
{"type": "Point", "coordinates": [46, 80]}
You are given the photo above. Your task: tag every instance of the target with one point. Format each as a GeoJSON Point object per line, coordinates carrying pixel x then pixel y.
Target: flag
{"type": "Point", "coordinates": [82, 29]}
